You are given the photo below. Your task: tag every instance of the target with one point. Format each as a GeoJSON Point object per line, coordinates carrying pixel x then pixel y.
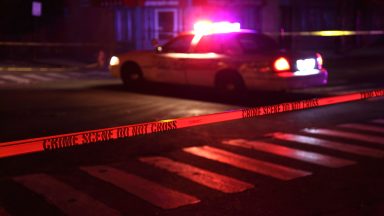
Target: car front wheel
{"type": "Point", "coordinates": [131, 75]}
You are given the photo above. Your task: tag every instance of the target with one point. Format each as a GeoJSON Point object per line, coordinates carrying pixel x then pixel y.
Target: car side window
{"type": "Point", "coordinates": [232, 47]}
{"type": "Point", "coordinates": [208, 44]}
{"type": "Point", "coordinates": [179, 44]}
{"type": "Point", "coordinates": [253, 43]}
{"type": "Point", "coordinates": [219, 43]}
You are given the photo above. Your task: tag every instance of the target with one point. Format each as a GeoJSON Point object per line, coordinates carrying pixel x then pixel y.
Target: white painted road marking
{"type": "Point", "coordinates": [348, 135]}
{"type": "Point", "coordinates": [363, 127]}
{"type": "Point", "coordinates": [56, 75]}
{"type": "Point", "coordinates": [149, 191]}
{"type": "Point", "coordinates": [15, 79]}
{"type": "Point", "coordinates": [37, 77]}
{"type": "Point", "coordinates": [307, 140]}
{"type": "Point", "coordinates": [204, 177]}
{"type": "Point", "coordinates": [310, 157]}
{"type": "Point", "coordinates": [63, 196]}
{"type": "Point", "coordinates": [246, 163]}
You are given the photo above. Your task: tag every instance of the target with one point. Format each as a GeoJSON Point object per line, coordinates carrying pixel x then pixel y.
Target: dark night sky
{"type": "Point", "coordinates": [16, 16]}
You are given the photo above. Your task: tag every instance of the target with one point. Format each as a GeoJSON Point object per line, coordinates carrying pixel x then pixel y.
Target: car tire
{"type": "Point", "coordinates": [230, 85]}
{"type": "Point", "coordinates": [131, 75]}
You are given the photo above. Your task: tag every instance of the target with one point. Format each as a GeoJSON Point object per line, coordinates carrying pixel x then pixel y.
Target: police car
{"type": "Point", "coordinates": [223, 56]}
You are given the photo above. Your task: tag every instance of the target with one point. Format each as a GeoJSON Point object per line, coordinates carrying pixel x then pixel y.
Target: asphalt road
{"type": "Point", "coordinates": [322, 161]}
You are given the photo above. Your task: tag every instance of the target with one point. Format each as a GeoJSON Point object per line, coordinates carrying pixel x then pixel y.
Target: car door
{"type": "Point", "coordinates": [205, 60]}
{"type": "Point", "coordinates": [170, 60]}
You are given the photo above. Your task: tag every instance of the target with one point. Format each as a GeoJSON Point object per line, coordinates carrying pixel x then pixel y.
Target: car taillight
{"type": "Point", "coordinates": [281, 64]}
{"type": "Point", "coordinates": [319, 60]}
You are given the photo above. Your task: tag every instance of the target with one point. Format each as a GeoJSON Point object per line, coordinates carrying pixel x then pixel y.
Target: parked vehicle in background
{"type": "Point", "coordinates": [223, 56]}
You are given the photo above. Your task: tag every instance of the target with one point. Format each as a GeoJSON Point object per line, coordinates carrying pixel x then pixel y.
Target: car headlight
{"type": "Point", "coordinates": [114, 61]}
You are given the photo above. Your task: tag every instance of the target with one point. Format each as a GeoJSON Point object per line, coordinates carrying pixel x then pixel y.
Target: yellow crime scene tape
{"type": "Point", "coordinates": [50, 143]}
{"type": "Point", "coordinates": [331, 33]}
{"type": "Point", "coordinates": [324, 33]}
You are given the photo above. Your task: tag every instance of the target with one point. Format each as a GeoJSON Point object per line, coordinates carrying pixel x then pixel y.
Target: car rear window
{"type": "Point", "coordinates": [253, 43]}
{"type": "Point", "coordinates": [236, 43]}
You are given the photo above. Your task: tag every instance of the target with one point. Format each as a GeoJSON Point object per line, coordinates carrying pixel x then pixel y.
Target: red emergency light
{"type": "Point", "coordinates": [205, 27]}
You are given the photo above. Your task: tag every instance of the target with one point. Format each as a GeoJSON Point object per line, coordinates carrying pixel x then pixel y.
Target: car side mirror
{"type": "Point", "coordinates": [157, 47]}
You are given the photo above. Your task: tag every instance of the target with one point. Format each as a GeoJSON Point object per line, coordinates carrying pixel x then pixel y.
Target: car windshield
{"type": "Point", "coordinates": [253, 43]}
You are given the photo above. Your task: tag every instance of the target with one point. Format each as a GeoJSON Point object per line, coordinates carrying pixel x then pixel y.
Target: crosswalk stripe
{"type": "Point", "coordinates": [258, 166]}
{"type": "Point", "coordinates": [63, 196]}
{"type": "Point", "coordinates": [149, 191]}
{"type": "Point", "coordinates": [56, 75]}
{"type": "Point", "coordinates": [204, 177]}
{"type": "Point", "coordinates": [378, 121]}
{"type": "Point", "coordinates": [15, 79]}
{"type": "Point", "coordinates": [354, 149]}
{"type": "Point", "coordinates": [37, 77]}
{"type": "Point", "coordinates": [310, 157]}
{"type": "Point", "coordinates": [348, 135]}
{"type": "Point", "coordinates": [363, 127]}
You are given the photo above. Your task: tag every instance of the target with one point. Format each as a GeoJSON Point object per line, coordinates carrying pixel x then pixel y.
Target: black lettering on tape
{"type": "Point", "coordinates": [252, 112]}
{"type": "Point", "coordinates": [123, 132]}
{"type": "Point", "coordinates": [99, 136]}
{"type": "Point", "coordinates": [46, 144]}
{"type": "Point", "coordinates": [106, 135]}
{"type": "Point", "coordinates": [271, 109]}
{"type": "Point", "coordinates": [140, 130]}
{"type": "Point", "coordinates": [86, 138]}
{"type": "Point", "coordinates": [60, 142]}
{"type": "Point", "coordinates": [295, 105]}
{"type": "Point", "coordinates": [265, 109]}
{"type": "Point", "coordinates": [379, 93]}
{"type": "Point", "coordinates": [163, 126]}
{"type": "Point", "coordinates": [311, 103]}
{"type": "Point", "coordinates": [286, 107]}
{"type": "Point", "coordinates": [367, 94]}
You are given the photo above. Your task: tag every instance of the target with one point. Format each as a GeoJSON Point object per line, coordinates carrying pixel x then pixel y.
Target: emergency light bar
{"type": "Point", "coordinates": [207, 27]}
